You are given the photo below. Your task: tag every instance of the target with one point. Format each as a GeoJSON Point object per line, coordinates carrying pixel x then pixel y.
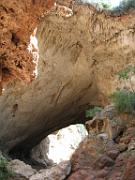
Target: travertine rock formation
{"type": "Point", "coordinates": [78, 57]}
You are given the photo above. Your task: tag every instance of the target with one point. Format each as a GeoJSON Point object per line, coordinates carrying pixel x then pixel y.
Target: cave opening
{"type": "Point", "coordinates": [56, 147]}
{"type": "Point", "coordinates": [53, 149]}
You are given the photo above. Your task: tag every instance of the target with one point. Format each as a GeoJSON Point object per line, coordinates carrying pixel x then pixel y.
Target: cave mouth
{"type": "Point", "coordinates": [24, 150]}
{"type": "Point", "coordinates": [53, 149]}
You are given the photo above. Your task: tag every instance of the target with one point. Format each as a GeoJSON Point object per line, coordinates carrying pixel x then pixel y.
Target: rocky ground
{"type": "Point", "coordinates": [24, 171]}
{"type": "Point", "coordinates": [108, 152]}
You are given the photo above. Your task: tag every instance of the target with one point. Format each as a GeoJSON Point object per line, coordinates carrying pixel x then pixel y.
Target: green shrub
{"type": "Point", "coordinates": [4, 172]}
{"type": "Point", "coordinates": [127, 4]}
{"type": "Point", "coordinates": [124, 100]}
{"type": "Point", "coordinates": [92, 112]}
{"type": "Point", "coordinates": [124, 73]}
{"type": "Point", "coordinates": [124, 5]}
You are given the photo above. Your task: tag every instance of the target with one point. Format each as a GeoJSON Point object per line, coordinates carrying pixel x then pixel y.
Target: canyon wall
{"type": "Point", "coordinates": [78, 59]}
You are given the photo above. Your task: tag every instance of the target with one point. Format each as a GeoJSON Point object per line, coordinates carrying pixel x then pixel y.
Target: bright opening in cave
{"type": "Point", "coordinates": [34, 50]}
{"type": "Point", "coordinates": [60, 145]}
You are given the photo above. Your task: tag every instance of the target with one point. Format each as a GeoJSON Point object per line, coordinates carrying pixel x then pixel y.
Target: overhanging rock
{"type": "Point", "coordinates": [78, 57]}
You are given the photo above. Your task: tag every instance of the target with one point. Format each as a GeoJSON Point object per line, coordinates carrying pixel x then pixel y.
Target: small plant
{"type": "Point", "coordinates": [127, 4]}
{"type": "Point", "coordinates": [5, 174]}
{"type": "Point", "coordinates": [124, 100]}
{"type": "Point", "coordinates": [124, 5]}
{"type": "Point", "coordinates": [124, 74]}
{"type": "Point", "coordinates": [105, 5]}
{"type": "Point", "coordinates": [90, 113]}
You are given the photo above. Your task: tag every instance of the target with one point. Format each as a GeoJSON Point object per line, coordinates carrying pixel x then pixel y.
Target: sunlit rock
{"type": "Point", "coordinates": [60, 146]}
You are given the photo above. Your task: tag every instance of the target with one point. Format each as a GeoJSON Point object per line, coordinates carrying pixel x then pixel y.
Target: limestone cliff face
{"type": "Point", "coordinates": [78, 57]}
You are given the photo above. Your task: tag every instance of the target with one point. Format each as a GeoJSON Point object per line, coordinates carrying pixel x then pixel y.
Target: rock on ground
{"type": "Point", "coordinates": [21, 169]}
{"type": "Point", "coordinates": [59, 172]}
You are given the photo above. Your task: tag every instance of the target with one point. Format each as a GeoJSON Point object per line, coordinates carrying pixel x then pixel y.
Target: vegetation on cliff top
{"type": "Point", "coordinates": [112, 5]}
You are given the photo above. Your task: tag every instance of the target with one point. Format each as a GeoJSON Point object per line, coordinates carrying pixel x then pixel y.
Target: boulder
{"type": "Point", "coordinates": [60, 145]}
{"type": "Point", "coordinates": [20, 169]}
{"type": "Point", "coordinates": [59, 172]}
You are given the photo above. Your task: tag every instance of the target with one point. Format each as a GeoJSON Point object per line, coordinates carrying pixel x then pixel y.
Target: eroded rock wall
{"type": "Point", "coordinates": [78, 57]}
{"type": "Point", "coordinates": [18, 20]}
{"type": "Point", "coordinates": [101, 156]}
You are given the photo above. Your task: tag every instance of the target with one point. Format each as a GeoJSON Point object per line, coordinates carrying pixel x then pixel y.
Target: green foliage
{"type": "Point", "coordinates": [99, 4]}
{"type": "Point", "coordinates": [127, 4]}
{"type": "Point", "coordinates": [4, 173]}
{"type": "Point", "coordinates": [124, 5]}
{"type": "Point", "coordinates": [92, 112]}
{"type": "Point", "coordinates": [124, 100]}
{"type": "Point", "coordinates": [105, 5]}
{"type": "Point", "coordinates": [124, 74]}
